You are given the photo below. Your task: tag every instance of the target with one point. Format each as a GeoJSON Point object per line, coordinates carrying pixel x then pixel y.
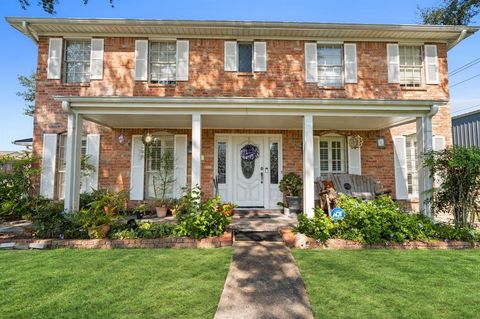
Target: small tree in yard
{"type": "Point", "coordinates": [458, 169]}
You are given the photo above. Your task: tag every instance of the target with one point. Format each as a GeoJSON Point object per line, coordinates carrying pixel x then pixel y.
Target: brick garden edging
{"type": "Point", "coordinates": [168, 242]}
{"type": "Point", "coordinates": [304, 242]}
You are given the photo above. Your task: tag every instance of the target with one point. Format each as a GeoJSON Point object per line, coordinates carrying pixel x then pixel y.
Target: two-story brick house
{"type": "Point", "coordinates": [293, 97]}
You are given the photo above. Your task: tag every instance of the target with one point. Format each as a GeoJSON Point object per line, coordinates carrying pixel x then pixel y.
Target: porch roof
{"type": "Point", "coordinates": [35, 27]}
{"type": "Point", "coordinates": [247, 113]}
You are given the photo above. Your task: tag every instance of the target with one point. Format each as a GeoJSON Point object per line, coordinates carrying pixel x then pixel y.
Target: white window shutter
{"type": "Point", "coordinates": [316, 156]}
{"type": "Point", "coordinates": [141, 60]}
{"type": "Point", "coordinates": [93, 151]}
{"type": "Point", "coordinates": [350, 52]}
{"type": "Point", "coordinates": [180, 164]}
{"type": "Point", "coordinates": [49, 156]}
{"type": "Point", "coordinates": [182, 60]}
{"type": "Point", "coordinates": [311, 71]}
{"type": "Point", "coordinates": [431, 64]}
{"type": "Point", "coordinates": [137, 168]}
{"type": "Point", "coordinates": [393, 61]}
{"type": "Point", "coordinates": [231, 58]}
{"type": "Point", "coordinates": [54, 66]}
{"type": "Point", "coordinates": [96, 59]}
{"type": "Point", "coordinates": [354, 159]}
{"type": "Point", "coordinates": [400, 160]}
{"type": "Point", "coordinates": [260, 56]}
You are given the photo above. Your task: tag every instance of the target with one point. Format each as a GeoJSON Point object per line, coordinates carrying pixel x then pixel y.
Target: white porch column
{"type": "Point", "coordinates": [308, 167]}
{"type": "Point", "coordinates": [196, 149]}
{"type": "Point", "coordinates": [425, 181]}
{"type": "Point", "coordinates": [72, 160]}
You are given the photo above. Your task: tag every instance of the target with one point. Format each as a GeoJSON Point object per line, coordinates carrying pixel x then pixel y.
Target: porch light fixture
{"type": "Point", "coordinates": [121, 139]}
{"type": "Point", "coordinates": [147, 138]}
{"type": "Point", "coordinates": [381, 142]}
{"type": "Point", "coordinates": [355, 141]}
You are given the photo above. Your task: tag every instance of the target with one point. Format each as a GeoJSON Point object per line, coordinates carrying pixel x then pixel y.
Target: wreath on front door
{"type": "Point", "coordinates": [249, 153]}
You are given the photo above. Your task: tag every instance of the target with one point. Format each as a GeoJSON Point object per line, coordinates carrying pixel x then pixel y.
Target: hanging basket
{"type": "Point", "coordinates": [249, 153]}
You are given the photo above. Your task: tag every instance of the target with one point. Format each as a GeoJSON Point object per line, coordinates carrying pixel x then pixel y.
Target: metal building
{"type": "Point", "coordinates": [466, 129]}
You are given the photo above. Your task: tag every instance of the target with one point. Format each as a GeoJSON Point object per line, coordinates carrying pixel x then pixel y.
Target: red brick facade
{"type": "Point", "coordinates": [284, 79]}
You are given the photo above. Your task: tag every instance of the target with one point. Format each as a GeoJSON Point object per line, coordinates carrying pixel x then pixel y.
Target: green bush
{"type": "Point", "coordinates": [47, 217]}
{"type": "Point", "coordinates": [198, 219]}
{"type": "Point", "coordinates": [379, 221]}
{"type": "Point", "coordinates": [143, 230]}
{"type": "Point", "coordinates": [458, 169]}
{"type": "Point", "coordinates": [16, 186]}
{"type": "Point", "coordinates": [291, 184]}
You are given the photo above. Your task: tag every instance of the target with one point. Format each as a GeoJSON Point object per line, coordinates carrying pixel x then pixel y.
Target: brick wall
{"type": "Point", "coordinates": [284, 79]}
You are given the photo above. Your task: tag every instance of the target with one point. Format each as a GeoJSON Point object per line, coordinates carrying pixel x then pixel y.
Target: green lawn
{"type": "Point", "coordinates": [392, 283]}
{"type": "Point", "coordinates": [133, 283]}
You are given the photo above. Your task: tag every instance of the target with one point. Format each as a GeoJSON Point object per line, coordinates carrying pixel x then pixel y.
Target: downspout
{"type": "Point", "coordinates": [29, 33]}
{"type": "Point", "coordinates": [462, 36]}
{"type": "Point", "coordinates": [433, 110]}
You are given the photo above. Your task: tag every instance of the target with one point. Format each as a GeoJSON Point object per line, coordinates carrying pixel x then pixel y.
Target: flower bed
{"type": "Point", "coordinates": [167, 242]}
{"type": "Point", "coordinates": [303, 242]}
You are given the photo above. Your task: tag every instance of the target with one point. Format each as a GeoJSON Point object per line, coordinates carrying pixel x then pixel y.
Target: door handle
{"type": "Point", "coordinates": [261, 177]}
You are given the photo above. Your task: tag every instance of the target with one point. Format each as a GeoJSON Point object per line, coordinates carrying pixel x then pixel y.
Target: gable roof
{"type": "Point", "coordinates": [35, 27]}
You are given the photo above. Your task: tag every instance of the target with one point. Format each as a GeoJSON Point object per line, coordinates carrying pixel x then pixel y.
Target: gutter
{"type": "Point", "coordinates": [462, 36]}
{"type": "Point", "coordinates": [26, 28]}
{"type": "Point", "coordinates": [434, 110]}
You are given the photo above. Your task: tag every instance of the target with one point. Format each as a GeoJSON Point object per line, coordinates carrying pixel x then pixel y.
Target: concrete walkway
{"type": "Point", "coordinates": [263, 282]}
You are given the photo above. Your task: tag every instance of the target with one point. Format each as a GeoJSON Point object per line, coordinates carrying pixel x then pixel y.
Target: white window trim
{"type": "Point", "coordinates": [149, 73]}
{"type": "Point", "coordinates": [422, 74]}
{"type": "Point", "coordinates": [342, 56]}
{"type": "Point", "coordinates": [62, 170]}
{"type": "Point", "coordinates": [413, 159]}
{"type": "Point", "coordinates": [343, 158]}
{"type": "Point", "coordinates": [238, 55]}
{"type": "Point", "coordinates": [63, 70]}
{"type": "Point", "coordinates": [146, 190]}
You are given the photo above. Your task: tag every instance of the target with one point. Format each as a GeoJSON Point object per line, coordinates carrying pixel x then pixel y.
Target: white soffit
{"type": "Point", "coordinates": [238, 29]}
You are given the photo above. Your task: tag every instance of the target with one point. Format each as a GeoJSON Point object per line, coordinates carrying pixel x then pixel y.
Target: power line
{"type": "Point", "coordinates": [470, 78]}
{"type": "Point", "coordinates": [467, 108]}
{"type": "Point", "coordinates": [465, 67]}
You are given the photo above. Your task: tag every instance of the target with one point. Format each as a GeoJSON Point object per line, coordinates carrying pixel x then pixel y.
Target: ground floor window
{"type": "Point", "coordinates": [61, 162]}
{"type": "Point", "coordinates": [412, 175]}
{"type": "Point", "coordinates": [159, 167]}
{"type": "Point", "coordinates": [332, 154]}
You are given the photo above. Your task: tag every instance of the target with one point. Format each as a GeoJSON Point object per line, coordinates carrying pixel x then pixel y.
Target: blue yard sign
{"type": "Point", "coordinates": [337, 213]}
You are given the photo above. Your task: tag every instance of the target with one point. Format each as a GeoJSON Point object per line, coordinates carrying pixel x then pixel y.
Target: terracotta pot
{"type": "Point", "coordinates": [101, 231]}
{"type": "Point", "coordinates": [109, 210]}
{"type": "Point", "coordinates": [161, 211]}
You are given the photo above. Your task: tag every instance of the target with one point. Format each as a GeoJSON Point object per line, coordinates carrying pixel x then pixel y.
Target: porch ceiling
{"type": "Point", "coordinates": [248, 121]}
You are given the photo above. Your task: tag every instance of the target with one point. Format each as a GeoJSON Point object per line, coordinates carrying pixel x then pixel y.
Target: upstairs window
{"type": "Point", "coordinates": [163, 62]}
{"type": "Point", "coordinates": [245, 57]}
{"type": "Point", "coordinates": [330, 65]}
{"type": "Point", "coordinates": [77, 61]}
{"type": "Point", "coordinates": [411, 66]}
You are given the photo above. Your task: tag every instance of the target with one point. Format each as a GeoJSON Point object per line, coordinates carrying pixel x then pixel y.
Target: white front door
{"type": "Point", "coordinates": [248, 187]}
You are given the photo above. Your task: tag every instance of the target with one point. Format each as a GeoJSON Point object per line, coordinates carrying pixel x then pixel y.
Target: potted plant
{"type": "Point", "coordinates": [163, 181]}
{"type": "Point", "coordinates": [109, 201]}
{"type": "Point", "coordinates": [291, 186]}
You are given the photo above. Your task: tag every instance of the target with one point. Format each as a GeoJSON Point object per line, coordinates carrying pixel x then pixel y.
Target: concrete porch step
{"type": "Point", "coordinates": [258, 236]}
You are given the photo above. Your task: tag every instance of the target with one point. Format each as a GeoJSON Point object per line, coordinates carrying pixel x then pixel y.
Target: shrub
{"type": "Point", "coordinates": [458, 169]}
{"type": "Point", "coordinates": [379, 221]}
{"type": "Point", "coordinates": [198, 219]}
{"type": "Point", "coordinates": [291, 184]}
{"type": "Point", "coordinates": [142, 230]}
{"type": "Point", "coordinates": [16, 186]}
{"type": "Point", "coordinates": [47, 217]}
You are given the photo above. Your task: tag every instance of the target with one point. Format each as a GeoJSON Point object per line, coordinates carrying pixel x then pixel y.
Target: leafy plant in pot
{"type": "Point", "coordinates": [291, 186]}
{"type": "Point", "coordinates": [163, 181]}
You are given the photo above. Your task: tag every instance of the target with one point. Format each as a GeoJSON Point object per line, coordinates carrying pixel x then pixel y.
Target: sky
{"type": "Point", "coordinates": [18, 54]}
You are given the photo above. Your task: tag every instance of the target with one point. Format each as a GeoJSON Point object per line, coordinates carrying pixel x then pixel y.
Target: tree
{"type": "Point", "coordinates": [28, 95]}
{"type": "Point", "coordinates": [451, 12]}
{"type": "Point", "coordinates": [49, 5]}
